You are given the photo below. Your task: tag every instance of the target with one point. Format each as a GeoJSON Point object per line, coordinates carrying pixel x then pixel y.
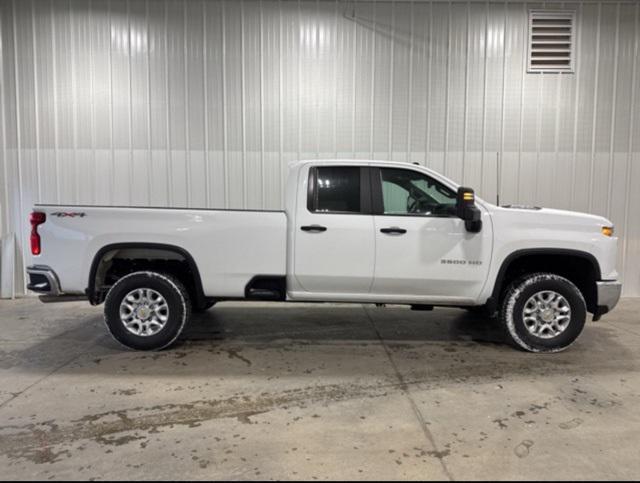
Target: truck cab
{"type": "Point", "coordinates": [383, 232]}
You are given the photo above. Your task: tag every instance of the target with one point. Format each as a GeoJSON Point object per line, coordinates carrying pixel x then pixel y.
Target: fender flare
{"type": "Point", "coordinates": [90, 290]}
{"type": "Point", "coordinates": [493, 300]}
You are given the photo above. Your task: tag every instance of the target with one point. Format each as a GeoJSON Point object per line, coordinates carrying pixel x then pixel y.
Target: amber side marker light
{"type": "Point", "coordinates": [607, 230]}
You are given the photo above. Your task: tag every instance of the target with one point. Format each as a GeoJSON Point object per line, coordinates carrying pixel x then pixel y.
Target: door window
{"type": "Point", "coordinates": [337, 190]}
{"type": "Point", "coordinates": [408, 192]}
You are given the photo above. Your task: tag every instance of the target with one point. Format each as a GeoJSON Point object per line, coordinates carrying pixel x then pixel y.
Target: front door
{"type": "Point", "coordinates": [422, 248]}
{"type": "Point", "coordinates": [334, 234]}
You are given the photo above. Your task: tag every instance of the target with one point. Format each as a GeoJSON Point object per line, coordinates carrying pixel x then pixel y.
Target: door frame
{"type": "Point", "coordinates": [378, 211]}
{"type": "Point", "coordinates": [306, 202]}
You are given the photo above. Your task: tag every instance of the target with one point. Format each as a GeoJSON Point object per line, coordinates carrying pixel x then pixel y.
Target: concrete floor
{"type": "Point", "coordinates": [260, 391]}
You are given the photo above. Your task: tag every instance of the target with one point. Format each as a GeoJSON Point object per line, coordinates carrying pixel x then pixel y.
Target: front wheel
{"type": "Point", "coordinates": [543, 312]}
{"type": "Point", "coordinates": [147, 310]}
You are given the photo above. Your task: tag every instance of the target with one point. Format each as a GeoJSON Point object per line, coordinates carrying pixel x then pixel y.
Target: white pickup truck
{"type": "Point", "coordinates": [351, 231]}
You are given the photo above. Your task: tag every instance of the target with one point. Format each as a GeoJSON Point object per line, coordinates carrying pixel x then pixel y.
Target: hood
{"type": "Point", "coordinates": [550, 216]}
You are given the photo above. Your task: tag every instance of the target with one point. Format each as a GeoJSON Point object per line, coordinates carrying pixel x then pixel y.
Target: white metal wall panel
{"type": "Point", "coordinates": [203, 102]}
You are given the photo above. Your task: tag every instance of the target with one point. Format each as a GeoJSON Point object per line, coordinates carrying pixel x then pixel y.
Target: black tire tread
{"type": "Point", "coordinates": [510, 299]}
{"type": "Point", "coordinates": [181, 291]}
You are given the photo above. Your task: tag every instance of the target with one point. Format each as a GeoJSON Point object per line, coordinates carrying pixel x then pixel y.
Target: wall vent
{"type": "Point", "coordinates": [551, 41]}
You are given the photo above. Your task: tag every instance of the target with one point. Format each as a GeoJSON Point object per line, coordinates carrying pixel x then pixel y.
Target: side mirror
{"type": "Point", "coordinates": [467, 210]}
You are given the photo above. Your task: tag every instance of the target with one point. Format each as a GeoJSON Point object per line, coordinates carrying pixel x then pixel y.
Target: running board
{"type": "Point", "coordinates": [50, 299]}
{"type": "Point", "coordinates": [266, 287]}
{"type": "Point", "coordinates": [263, 294]}
{"type": "Point", "coordinates": [422, 307]}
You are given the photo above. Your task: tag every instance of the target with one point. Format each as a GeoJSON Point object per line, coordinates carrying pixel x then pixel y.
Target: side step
{"type": "Point", "coordinates": [422, 307]}
{"type": "Point", "coordinates": [266, 287]}
{"type": "Point", "coordinates": [263, 294]}
{"type": "Point", "coordinates": [51, 299]}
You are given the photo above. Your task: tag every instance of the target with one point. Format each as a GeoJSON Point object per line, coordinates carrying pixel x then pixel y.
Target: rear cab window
{"type": "Point", "coordinates": [339, 189]}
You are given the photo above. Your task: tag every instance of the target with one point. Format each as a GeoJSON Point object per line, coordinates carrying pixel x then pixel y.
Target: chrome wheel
{"type": "Point", "coordinates": [546, 314]}
{"type": "Point", "coordinates": [144, 312]}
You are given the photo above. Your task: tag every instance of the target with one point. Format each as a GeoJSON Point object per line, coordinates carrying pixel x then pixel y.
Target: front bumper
{"type": "Point", "coordinates": [43, 279]}
{"type": "Point", "coordinates": [608, 296]}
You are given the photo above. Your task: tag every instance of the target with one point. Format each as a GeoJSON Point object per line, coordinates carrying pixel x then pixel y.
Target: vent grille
{"type": "Point", "coordinates": [551, 41]}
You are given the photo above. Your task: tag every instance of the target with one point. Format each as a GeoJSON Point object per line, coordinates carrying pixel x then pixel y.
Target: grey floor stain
{"type": "Point", "coordinates": [28, 441]}
{"type": "Point", "coordinates": [235, 354]}
{"type": "Point", "coordinates": [574, 423]}
{"type": "Point", "coordinates": [523, 449]}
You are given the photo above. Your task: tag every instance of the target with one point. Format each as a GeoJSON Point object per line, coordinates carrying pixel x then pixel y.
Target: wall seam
{"type": "Point", "coordinates": [612, 120]}
{"type": "Point", "coordinates": [36, 98]}
{"type": "Point", "coordinates": [167, 92]}
{"type": "Point", "coordinates": [625, 229]}
{"type": "Point", "coordinates": [205, 94]}
{"type": "Point", "coordinates": [18, 136]}
{"type": "Point", "coordinates": [187, 105]}
{"type": "Point", "coordinates": [595, 110]}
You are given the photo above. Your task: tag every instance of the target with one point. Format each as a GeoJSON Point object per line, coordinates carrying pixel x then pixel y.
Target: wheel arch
{"type": "Point", "coordinates": [519, 257]}
{"type": "Point", "coordinates": [92, 293]}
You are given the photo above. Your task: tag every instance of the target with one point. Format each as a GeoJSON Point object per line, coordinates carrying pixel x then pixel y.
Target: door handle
{"type": "Point", "coordinates": [394, 230]}
{"type": "Point", "coordinates": [314, 228]}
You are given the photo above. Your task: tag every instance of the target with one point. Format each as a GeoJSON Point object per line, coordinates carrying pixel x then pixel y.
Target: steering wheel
{"type": "Point", "coordinates": [412, 205]}
{"type": "Point", "coordinates": [417, 203]}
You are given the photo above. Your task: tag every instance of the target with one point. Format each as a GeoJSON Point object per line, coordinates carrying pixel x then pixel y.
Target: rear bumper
{"type": "Point", "coordinates": [608, 297]}
{"type": "Point", "coordinates": [43, 280]}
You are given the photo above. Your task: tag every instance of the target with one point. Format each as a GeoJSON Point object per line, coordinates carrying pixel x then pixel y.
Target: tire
{"type": "Point", "coordinates": [199, 310]}
{"type": "Point", "coordinates": [550, 323]}
{"type": "Point", "coordinates": [157, 311]}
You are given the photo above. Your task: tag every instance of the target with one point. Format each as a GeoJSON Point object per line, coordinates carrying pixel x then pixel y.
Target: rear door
{"type": "Point", "coordinates": [422, 247]}
{"type": "Point", "coordinates": [334, 233]}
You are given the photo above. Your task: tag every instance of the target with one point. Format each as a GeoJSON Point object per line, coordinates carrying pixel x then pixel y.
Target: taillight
{"type": "Point", "coordinates": [36, 218]}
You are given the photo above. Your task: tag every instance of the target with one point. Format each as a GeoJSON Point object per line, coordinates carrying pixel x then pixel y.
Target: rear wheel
{"type": "Point", "coordinates": [147, 310]}
{"type": "Point", "coordinates": [543, 312]}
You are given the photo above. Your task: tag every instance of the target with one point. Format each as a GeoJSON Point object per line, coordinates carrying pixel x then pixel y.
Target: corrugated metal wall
{"type": "Point", "coordinates": [203, 103]}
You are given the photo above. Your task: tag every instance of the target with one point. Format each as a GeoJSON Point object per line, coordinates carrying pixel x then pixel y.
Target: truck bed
{"type": "Point", "coordinates": [229, 247]}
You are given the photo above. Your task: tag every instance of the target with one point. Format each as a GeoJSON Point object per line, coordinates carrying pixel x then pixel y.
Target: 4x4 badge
{"type": "Point", "coordinates": [68, 214]}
